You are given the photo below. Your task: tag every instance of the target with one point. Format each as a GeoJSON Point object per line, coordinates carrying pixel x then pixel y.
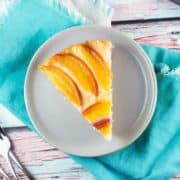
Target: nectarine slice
{"type": "Point", "coordinates": [97, 111]}
{"type": "Point", "coordinates": [78, 70]}
{"type": "Point", "coordinates": [94, 60]}
{"type": "Point", "coordinates": [63, 83]}
{"type": "Point", "coordinates": [104, 127]}
{"type": "Point", "coordinates": [102, 47]}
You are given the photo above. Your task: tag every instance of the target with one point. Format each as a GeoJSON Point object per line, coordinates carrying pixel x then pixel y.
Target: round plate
{"type": "Point", "coordinates": [134, 95]}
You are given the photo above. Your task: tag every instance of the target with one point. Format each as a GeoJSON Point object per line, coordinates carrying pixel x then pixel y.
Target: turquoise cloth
{"type": "Point", "coordinates": [155, 155]}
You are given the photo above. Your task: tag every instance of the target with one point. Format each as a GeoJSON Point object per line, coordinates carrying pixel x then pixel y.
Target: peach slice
{"type": "Point", "coordinates": [104, 127]}
{"type": "Point", "coordinates": [63, 83]}
{"type": "Point", "coordinates": [102, 47]}
{"type": "Point", "coordinates": [77, 69]}
{"type": "Point", "coordinates": [99, 115]}
{"type": "Point", "coordinates": [97, 111]}
{"type": "Point", "coordinates": [94, 60]}
{"type": "Point", "coordinates": [101, 123]}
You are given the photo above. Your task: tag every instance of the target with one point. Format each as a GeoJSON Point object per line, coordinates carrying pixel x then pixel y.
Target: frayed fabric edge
{"type": "Point", "coordinates": [7, 6]}
{"type": "Point", "coordinates": [164, 70]}
{"type": "Point", "coordinates": [58, 6]}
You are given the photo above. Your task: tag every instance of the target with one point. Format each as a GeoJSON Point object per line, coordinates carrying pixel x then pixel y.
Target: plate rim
{"type": "Point", "coordinates": [146, 60]}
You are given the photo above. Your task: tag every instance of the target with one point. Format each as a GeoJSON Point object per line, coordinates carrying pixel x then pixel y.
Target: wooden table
{"type": "Point", "coordinates": [154, 22]}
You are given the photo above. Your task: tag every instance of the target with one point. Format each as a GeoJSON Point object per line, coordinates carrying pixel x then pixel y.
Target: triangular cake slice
{"type": "Point", "coordinates": [82, 73]}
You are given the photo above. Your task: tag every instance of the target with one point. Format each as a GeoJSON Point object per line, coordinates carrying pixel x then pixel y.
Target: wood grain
{"type": "Point", "coordinates": [41, 159]}
{"type": "Point", "coordinates": [163, 34]}
{"type": "Point", "coordinates": [143, 10]}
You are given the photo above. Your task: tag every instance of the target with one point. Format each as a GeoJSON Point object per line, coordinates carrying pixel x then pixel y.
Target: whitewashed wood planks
{"type": "Point", "coordinates": [144, 10]}
{"type": "Point", "coordinates": [163, 34]}
{"type": "Point", "coordinates": [41, 159]}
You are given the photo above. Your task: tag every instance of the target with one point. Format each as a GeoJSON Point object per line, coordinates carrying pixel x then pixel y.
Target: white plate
{"type": "Point", "coordinates": [134, 95]}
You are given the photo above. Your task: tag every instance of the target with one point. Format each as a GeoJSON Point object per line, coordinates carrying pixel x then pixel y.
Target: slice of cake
{"type": "Point", "coordinates": [82, 73]}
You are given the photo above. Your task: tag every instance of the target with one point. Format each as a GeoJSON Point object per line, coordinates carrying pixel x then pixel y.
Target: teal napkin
{"type": "Point", "coordinates": [155, 155]}
{"type": "Point", "coordinates": [28, 25]}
